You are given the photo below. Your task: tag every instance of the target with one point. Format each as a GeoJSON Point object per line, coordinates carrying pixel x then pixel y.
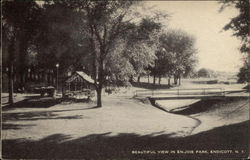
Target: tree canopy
{"type": "Point", "coordinates": [176, 55]}
{"type": "Point", "coordinates": [240, 25]}
{"type": "Point", "coordinates": [109, 39]}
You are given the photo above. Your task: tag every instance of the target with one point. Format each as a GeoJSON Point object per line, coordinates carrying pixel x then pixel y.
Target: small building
{"type": "Point", "coordinates": [79, 83]}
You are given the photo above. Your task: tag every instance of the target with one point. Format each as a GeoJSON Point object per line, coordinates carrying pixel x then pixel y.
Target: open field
{"type": "Point", "coordinates": [223, 82]}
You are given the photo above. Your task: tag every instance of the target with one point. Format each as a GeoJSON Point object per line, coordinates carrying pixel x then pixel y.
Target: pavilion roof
{"type": "Point", "coordinates": [82, 75]}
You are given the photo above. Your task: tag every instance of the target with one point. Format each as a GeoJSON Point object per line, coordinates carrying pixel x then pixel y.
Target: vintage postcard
{"type": "Point", "coordinates": [126, 79]}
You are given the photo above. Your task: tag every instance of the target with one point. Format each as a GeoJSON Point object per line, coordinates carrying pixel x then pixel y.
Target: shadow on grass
{"type": "Point", "coordinates": [15, 126]}
{"type": "Point", "coordinates": [75, 100]}
{"type": "Point", "coordinates": [150, 85]}
{"type": "Point", "coordinates": [104, 146]}
{"type": "Point", "coordinates": [41, 115]}
{"type": "Point", "coordinates": [206, 105]}
{"type": "Point", "coordinates": [32, 116]}
{"type": "Point", "coordinates": [34, 102]}
{"type": "Point", "coordinates": [43, 102]}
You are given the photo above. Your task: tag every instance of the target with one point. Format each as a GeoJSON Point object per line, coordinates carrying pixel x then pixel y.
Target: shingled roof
{"type": "Point", "coordinates": [82, 75]}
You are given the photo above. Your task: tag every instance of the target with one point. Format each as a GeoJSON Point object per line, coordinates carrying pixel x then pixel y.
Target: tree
{"type": "Point", "coordinates": [109, 26]}
{"type": "Point", "coordinates": [58, 41]}
{"type": "Point", "coordinates": [203, 73]}
{"type": "Point", "coordinates": [163, 65]}
{"type": "Point", "coordinates": [20, 22]}
{"type": "Point", "coordinates": [98, 35]}
{"type": "Point", "coordinates": [176, 56]}
{"type": "Point", "coordinates": [141, 46]}
{"type": "Point", "coordinates": [106, 23]}
{"type": "Point", "coordinates": [244, 74]}
{"type": "Point", "coordinates": [240, 25]}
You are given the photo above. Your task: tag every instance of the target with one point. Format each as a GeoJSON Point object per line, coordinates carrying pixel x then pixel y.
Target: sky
{"type": "Point", "coordinates": [217, 49]}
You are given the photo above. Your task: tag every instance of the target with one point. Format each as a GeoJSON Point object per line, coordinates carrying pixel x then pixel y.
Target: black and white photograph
{"type": "Point", "coordinates": [125, 79]}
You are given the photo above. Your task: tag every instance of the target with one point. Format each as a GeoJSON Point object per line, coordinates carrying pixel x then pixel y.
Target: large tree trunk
{"type": "Point", "coordinates": [175, 80]}
{"type": "Point", "coordinates": [11, 50]}
{"type": "Point", "coordinates": [168, 81]}
{"type": "Point", "coordinates": [138, 79]}
{"type": "Point", "coordinates": [179, 80]}
{"type": "Point", "coordinates": [23, 46]}
{"type": "Point", "coordinates": [10, 82]}
{"type": "Point", "coordinates": [159, 80]}
{"type": "Point", "coordinates": [100, 83]}
{"type": "Point", "coordinates": [99, 94]}
{"type": "Point", "coordinates": [154, 80]}
{"type": "Point", "coordinates": [99, 97]}
{"type": "Point", "coordinates": [96, 70]}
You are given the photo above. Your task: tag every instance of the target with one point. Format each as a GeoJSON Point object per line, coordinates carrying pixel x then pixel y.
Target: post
{"type": "Point", "coordinates": [57, 66]}
{"type": "Point", "coordinates": [29, 74]}
{"type": "Point", "coordinates": [57, 78]}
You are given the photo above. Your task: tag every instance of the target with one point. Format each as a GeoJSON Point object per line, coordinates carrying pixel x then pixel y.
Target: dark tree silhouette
{"type": "Point", "coordinates": [20, 20]}
{"type": "Point", "coordinates": [240, 25]}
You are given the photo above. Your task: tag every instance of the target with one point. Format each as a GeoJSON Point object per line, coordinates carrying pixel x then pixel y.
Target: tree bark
{"type": "Point", "coordinates": [23, 46]}
{"type": "Point", "coordinates": [175, 80]}
{"type": "Point", "coordinates": [154, 80]}
{"type": "Point", "coordinates": [99, 94]}
{"type": "Point", "coordinates": [99, 97]}
{"type": "Point", "coordinates": [168, 81]}
{"type": "Point", "coordinates": [100, 82]}
{"type": "Point", "coordinates": [10, 82]}
{"type": "Point", "coordinates": [138, 79]}
{"type": "Point", "coordinates": [11, 50]}
{"type": "Point", "coordinates": [179, 80]}
{"type": "Point", "coordinates": [159, 80]}
{"type": "Point", "coordinates": [99, 72]}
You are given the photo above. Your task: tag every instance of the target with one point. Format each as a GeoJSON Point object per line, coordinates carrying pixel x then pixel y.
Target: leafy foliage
{"type": "Point", "coordinates": [176, 54]}
{"type": "Point", "coordinates": [240, 25]}
{"type": "Point", "coordinates": [109, 39]}
{"type": "Point", "coordinates": [203, 72]}
{"type": "Point", "coordinates": [244, 74]}
{"type": "Point", "coordinates": [20, 21]}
